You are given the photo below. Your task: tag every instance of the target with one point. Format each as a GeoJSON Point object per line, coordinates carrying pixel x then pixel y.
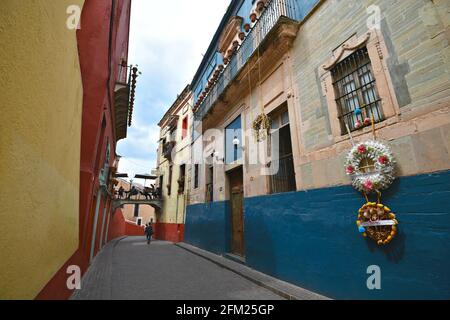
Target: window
{"type": "Point", "coordinates": [355, 90]}
{"type": "Point", "coordinates": [233, 141]}
{"type": "Point", "coordinates": [184, 130]}
{"type": "Point", "coordinates": [173, 134]}
{"type": "Point", "coordinates": [196, 180]}
{"type": "Point", "coordinates": [136, 210]}
{"type": "Point", "coordinates": [283, 177]}
{"type": "Point", "coordinates": [161, 185]}
{"type": "Point", "coordinates": [181, 180]}
{"type": "Point", "coordinates": [169, 183]}
{"type": "Point", "coordinates": [210, 185]}
{"type": "Point", "coordinates": [196, 129]}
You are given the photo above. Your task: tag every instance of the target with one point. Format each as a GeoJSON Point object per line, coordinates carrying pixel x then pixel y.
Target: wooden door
{"type": "Point", "coordinates": [237, 212]}
{"type": "Point", "coordinates": [237, 221]}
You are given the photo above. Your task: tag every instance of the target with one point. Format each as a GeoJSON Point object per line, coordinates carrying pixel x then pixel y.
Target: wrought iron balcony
{"type": "Point", "coordinates": [124, 97]}
{"type": "Point", "coordinates": [273, 14]}
{"type": "Point", "coordinates": [167, 150]}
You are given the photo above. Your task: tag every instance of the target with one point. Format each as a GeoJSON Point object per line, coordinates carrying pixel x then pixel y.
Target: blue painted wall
{"type": "Point", "coordinates": [304, 7]}
{"type": "Point", "coordinates": [311, 239]}
{"type": "Point", "coordinates": [208, 226]}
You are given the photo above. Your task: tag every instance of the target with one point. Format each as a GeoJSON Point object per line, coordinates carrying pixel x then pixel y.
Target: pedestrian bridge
{"type": "Point", "coordinates": [155, 203]}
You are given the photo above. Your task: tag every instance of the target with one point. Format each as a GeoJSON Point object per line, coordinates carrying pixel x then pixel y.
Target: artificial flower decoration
{"type": "Point", "coordinates": [377, 222]}
{"type": "Point", "coordinates": [381, 173]}
{"type": "Point", "coordinates": [368, 185]}
{"type": "Point", "coordinates": [362, 149]}
{"type": "Point", "coordinates": [383, 159]}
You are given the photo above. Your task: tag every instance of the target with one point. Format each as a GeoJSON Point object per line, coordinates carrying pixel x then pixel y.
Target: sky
{"type": "Point", "coordinates": [167, 41]}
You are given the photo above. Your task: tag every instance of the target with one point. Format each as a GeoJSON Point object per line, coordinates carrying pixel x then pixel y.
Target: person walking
{"type": "Point", "coordinates": [148, 232]}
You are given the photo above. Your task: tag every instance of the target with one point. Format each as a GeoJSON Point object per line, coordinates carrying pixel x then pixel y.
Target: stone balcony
{"type": "Point", "coordinates": [269, 39]}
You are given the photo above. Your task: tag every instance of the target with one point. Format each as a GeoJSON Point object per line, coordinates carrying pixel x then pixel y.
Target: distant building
{"type": "Point", "coordinates": [136, 213]}
{"type": "Point", "coordinates": [173, 165]}
{"type": "Point", "coordinates": [308, 69]}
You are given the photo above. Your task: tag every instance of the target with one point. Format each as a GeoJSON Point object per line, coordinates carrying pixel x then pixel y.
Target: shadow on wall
{"type": "Point", "coordinates": [118, 225]}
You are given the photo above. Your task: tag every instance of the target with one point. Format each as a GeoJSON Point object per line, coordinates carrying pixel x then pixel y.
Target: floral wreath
{"type": "Point", "coordinates": [261, 126]}
{"type": "Point", "coordinates": [377, 222]}
{"type": "Point", "coordinates": [383, 173]}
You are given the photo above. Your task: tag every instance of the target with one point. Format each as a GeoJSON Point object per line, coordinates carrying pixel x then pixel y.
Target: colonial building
{"type": "Point", "coordinates": [284, 92]}
{"type": "Point", "coordinates": [138, 214]}
{"type": "Point", "coordinates": [68, 95]}
{"type": "Point", "coordinates": [173, 167]}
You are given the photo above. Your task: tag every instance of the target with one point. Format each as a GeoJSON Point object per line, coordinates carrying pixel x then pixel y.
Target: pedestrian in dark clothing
{"type": "Point", "coordinates": [121, 192]}
{"type": "Point", "coordinates": [149, 232]}
{"type": "Point", "coordinates": [133, 192]}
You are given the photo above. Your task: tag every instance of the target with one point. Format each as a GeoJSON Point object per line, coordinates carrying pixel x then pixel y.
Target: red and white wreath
{"type": "Point", "coordinates": [371, 166]}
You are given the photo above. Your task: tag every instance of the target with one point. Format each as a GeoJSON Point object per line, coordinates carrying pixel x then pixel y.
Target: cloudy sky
{"type": "Point", "coordinates": [167, 41]}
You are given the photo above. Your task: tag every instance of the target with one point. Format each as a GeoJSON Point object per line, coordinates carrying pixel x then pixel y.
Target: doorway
{"type": "Point", "coordinates": [236, 184]}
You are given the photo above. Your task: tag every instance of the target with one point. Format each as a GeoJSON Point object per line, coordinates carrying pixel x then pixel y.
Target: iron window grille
{"type": "Point", "coordinates": [355, 88]}
{"type": "Point", "coordinates": [284, 179]}
{"type": "Point", "coordinates": [196, 180]}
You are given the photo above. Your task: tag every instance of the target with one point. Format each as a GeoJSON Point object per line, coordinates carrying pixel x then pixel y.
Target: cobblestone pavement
{"type": "Point", "coordinates": [131, 269]}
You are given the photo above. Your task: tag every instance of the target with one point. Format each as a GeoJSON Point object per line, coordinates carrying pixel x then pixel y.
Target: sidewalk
{"type": "Point", "coordinates": [281, 288]}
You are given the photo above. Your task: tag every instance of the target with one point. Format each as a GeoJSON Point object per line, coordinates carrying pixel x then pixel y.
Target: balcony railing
{"type": "Point", "coordinates": [275, 9]}
{"type": "Point", "coordinates": [125, 91]}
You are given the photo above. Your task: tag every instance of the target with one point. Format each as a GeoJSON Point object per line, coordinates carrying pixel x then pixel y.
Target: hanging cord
{"type": "Point", "coordinates": [379, 196]}
{"type": "Point", "coordinates": [373, 128]}
{"type": "Point", "coordinates": [259, 75]}
{"type": "Point", "coordinates": [365, 195]}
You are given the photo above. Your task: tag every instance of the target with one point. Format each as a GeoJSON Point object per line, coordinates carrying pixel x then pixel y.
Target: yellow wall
{"type": "Point", "coordinates": [40, 109]}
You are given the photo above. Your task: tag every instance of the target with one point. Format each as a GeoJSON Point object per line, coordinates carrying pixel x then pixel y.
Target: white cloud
{"type": "Point", "coordinates": [134, 166]}
{"type": "Point", "coordinates": [167, 40]}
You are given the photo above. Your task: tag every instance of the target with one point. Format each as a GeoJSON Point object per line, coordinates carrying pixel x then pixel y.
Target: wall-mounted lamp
{"type": "Point", "coordinates": [237, 143]}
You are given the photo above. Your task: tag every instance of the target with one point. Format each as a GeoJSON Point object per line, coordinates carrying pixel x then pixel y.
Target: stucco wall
{"type": "Point", "coordinates": [41, 92]}
{"type": "Point", "coordinates": [208, 226]}
{"type": "Point", "coordinates": [415, 52]}
{"type": "Point", "coordinates": [311, 239]}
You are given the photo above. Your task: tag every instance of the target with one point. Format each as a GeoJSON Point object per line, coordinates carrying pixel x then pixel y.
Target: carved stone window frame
{"type": "Point", "coordinates": [378, 53]}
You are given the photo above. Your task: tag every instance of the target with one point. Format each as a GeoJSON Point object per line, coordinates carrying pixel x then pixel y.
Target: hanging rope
{"type": "Point", "coordinates": [261, 125]}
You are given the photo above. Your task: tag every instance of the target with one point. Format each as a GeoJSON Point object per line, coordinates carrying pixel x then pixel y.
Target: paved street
{"type": "Point", "coordinates": [130, 269]}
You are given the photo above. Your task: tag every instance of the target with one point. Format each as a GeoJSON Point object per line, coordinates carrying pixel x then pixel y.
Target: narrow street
{"type": "Point", "coordinates": [273, 149]}
{"type": "Point", "coordinates": [130, 269]}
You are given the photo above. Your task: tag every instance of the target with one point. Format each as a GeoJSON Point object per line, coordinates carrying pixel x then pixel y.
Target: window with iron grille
{"type": "Point", "coordinates": [355, 89]}
{"type": "Point", "coordinates": [280, 149]}
{"type": "Point", "coordinates": [196, 180]}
